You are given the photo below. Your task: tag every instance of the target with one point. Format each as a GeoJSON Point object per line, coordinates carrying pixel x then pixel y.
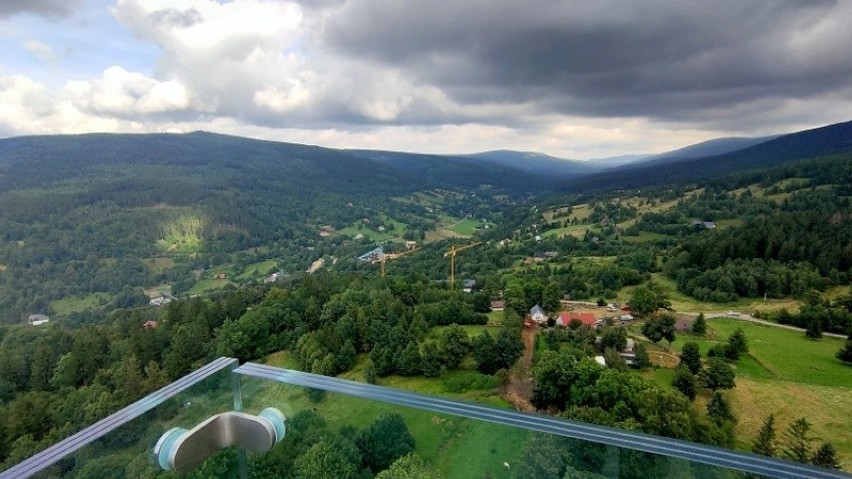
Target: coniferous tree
{"type": "Point", "coordinates": [408, 363]}
{"type": "Point", "coordinates": [718, 375]}
{"type": "Point", "coordinates": [737, 345]}
{"type": "Point", "coordinates": [690, 356]}
{"type": "Point", "coordinates": [719, 409]}
{"type": "Point", "coordinates": [684, 381]}
{"type": "Point", "coordinates": [765, 441]}
{"type": "Point", "coordinates": [797, 441]}
{"type": "Point", "coordinates": [642, 360]}
{"type": "Point", "coordinates": [845, 353]}
{"type": "Point", "coordinates": [826, 456]}
{"type": "Point", "coordinates": [699, 326]}
{"type": "Point", "coordinates": [814, 329]}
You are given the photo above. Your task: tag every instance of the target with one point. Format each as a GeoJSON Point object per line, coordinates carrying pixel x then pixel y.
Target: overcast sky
{"type": "Point", "coordinates": [579, 79]}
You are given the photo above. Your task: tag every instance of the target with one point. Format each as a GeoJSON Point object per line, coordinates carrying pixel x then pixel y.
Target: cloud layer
{"type": "Point", "coordinates": [582, 79]}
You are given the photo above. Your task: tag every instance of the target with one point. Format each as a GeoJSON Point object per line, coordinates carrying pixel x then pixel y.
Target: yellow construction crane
{"type": "Point", "coordinates": [393, 256]}
{"type": "Point", "coordinates": [452, 254]}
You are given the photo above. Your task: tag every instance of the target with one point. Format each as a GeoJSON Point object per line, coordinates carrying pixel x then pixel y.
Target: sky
{"type": "Point", "coordinates": [578, 79]}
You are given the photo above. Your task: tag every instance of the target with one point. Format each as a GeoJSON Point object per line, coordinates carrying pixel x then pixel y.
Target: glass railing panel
{"type": "Point", "coordinates": [122, 444]}
{"type": "Point", "coordinates": [339, 429]}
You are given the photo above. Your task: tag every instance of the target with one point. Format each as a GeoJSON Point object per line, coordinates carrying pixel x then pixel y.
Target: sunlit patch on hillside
{"type": "Point", "coordinates": [182, 235]}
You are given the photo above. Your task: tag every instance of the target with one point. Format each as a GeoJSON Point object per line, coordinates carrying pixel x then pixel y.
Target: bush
{"type": "Point", "coordinates": [470, 381]}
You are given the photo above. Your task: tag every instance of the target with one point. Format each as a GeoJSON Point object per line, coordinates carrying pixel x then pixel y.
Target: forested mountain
{"type": "Point", "coordinates": [718, 146]}
{"type": "Point", "coordinates": [79, 214]}
{"type": "Point", "coordinates": [826, 141]}
{"type": "Point", "coordinates": [450, 171]}
{"type": "Point", "coordinates": [538, 163]}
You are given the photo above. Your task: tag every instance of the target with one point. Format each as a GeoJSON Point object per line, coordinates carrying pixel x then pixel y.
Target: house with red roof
{"type": "Point", "coordinates": [586, 318]}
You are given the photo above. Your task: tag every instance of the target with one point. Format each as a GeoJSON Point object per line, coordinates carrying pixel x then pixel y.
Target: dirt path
{"type": "Point", "coordinates": [519, 386]}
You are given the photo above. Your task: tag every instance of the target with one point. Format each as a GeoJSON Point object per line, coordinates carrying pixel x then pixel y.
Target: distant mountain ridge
{"type": "Point", "coordinates": [718, 146]}
{"type": "Point", "coordinates": [824, 141]}
{"type": "Point", "coordinates": [537, 163]}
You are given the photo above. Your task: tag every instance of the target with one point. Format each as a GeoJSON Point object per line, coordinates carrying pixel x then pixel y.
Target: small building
{"type": "Point", "coordinates": [706, 224]}
{"type": "Point", "coordinates": [468, 285]}
{"type": "Point", "coordinates": [601, 361]}
{"type": "Point", "coordinates": [537, 314]}
{"type": "Point", "coordinates": [220, 275]}
{"type": "Point", "coordinates": [631, 344]}
{"type": "Point", "coordinates": [150, 325]}
{"type": "Point", "coordinates": [498, 305]}
{"type": "Point", "coordinates": [372, 255]}
{"type": "Point", "coordinates": [38, 319]}
{"type": "Point", "coordinates": [410, 245]}
{"type": "Point", "coordinates": [162, 299]}
{"type": "Point", "coordinates": [587, 319]}
{"type": "Point", "coordinates": [359, 236]}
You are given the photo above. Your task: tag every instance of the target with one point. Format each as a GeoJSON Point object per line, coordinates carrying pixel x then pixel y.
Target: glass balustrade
{"type": "Point", "coordinates": [338, 429]}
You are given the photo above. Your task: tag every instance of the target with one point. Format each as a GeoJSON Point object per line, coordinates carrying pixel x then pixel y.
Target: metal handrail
{"type": "Point", "coordinates": [709, 455]}
{"type": "Point", "coordinates": [56, 452]}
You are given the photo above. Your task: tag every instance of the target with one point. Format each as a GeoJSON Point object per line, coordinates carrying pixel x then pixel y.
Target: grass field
{"type": "Point", "coordinates": [158, 264]}
{"type": "Point", "coordinates": [786, 374]}
{"type": "Point", "coordinates": [468, 227]}
{"type": "Point", "coordinates": [576, 231]}
{"type": "Point", "coordinates": [682, 302]}
{"type": "Point", "coordinates": [207, 285]}
{"type": "Point", "coordinates": [262, 268]}
{"type": "Point", "coordinates": [458, 447]}
{"type": "Point", "coordinates": [77, 304]}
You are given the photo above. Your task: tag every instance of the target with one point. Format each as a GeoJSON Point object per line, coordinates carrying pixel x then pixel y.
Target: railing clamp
{"type": "Point", "coordinates": [181, 451]}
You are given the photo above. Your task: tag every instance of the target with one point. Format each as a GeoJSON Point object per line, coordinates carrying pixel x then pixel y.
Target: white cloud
{"type": "Point", "coordinates": [121, 93]}
{"type": "Point", "coordinates": [40, 50]}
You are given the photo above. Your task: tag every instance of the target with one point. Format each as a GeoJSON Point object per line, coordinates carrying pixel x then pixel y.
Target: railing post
{"type": "Point", "coordinates": [236, 387]}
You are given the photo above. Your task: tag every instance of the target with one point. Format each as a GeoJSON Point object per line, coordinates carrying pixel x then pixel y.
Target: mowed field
{"type": "Point", "coordinates": [786, 374]}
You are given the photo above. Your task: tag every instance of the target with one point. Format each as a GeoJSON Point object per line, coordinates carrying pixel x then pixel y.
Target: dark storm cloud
{"type": "Point", "coordinates": [46, 8]}
{"type": "Point", "coordinates": [665, 60]}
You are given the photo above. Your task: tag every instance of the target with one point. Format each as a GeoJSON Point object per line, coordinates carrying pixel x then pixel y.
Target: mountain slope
{"type": "Point", "coordinates": [718, 146]}
{"type": "Point", "coordinates": [825, 141]}
{"type": "Point", "coordinates": [537, 163]}
{"type": "Point", "coordinates": [446, 170]}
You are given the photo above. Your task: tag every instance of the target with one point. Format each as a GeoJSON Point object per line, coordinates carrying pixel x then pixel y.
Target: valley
{"type": "Point", "coordinates": [259, 260]}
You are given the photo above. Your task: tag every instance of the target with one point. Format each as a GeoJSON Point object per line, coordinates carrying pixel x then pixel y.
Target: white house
{"type": "Point", "coordinates": [537, 314]}
{"type": "Point", "coordinates": [38, 319]}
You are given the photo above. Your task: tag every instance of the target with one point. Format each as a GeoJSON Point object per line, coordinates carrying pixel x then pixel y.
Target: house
{"type": "Point", "coordinates": [706, 224]}
{"type": "Point", "coordinates": [587, 319]}
{"type": "Point", "coordinates": [38, 319]}
{"type": "Point", "coordinates": [468, 285]}
{"type": "Point", "coordinates": [410, 245]}
{"type": "Point", "coordinates": [537, 314]}
{"type": "Point", "coordinates": [372, 255]}
{"type": "Point", "coordinates": [601, 361]}
{"type": "Point", "coordinates": [164, 298]}
{"type": "Point", "coordinates": [150, 325]}
{"type": "Point", "coordinates": [359, 236]}
{"type": "Point", "coordinates": [498, 305]}
{"type": "Point", "coordinates": [381, 228]}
